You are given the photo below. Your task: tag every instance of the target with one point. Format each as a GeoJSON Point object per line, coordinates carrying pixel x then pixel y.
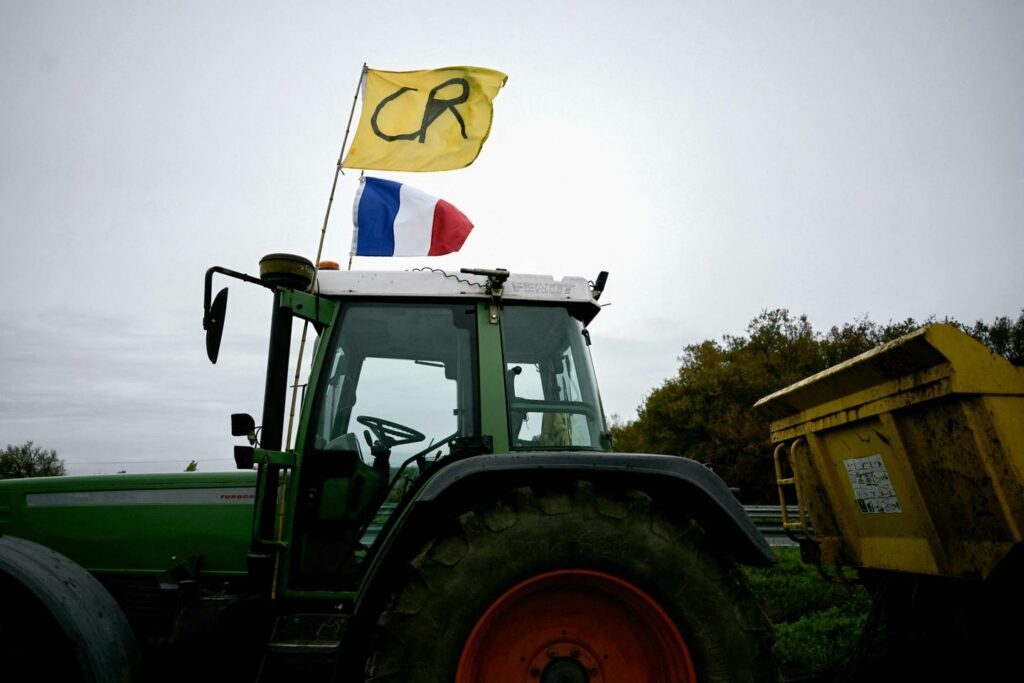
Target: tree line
{"type": "Point", "coordinates": [29, 460]}
{"type": "Point", "coordinates": [705, 411]}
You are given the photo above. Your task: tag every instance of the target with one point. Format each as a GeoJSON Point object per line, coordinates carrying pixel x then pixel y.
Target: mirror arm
{"type": "Point", "coordinates": [208, 289]}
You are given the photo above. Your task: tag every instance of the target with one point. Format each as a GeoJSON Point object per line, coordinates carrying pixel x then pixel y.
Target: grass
{"type": "Point", "coordinates": [817, 623]}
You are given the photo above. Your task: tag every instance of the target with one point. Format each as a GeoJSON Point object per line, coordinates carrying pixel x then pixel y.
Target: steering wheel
{"type": "Point", "coordinates": [387, 433]}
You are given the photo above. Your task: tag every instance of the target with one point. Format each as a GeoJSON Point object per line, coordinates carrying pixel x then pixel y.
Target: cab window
{"type": "Point", "coordinates": [552, 397]}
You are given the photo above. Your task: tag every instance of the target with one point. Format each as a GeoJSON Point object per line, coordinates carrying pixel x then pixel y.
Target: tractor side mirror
{"type": "Point", "coordinates": [242, 424]}
{"type": "Point", "coordinates": [244, 457]}
{"type": "Point", "coordinates": [213, 323]}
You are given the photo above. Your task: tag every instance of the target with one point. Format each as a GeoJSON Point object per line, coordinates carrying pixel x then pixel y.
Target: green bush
{"type": "Point", "coordinates": [818, 641]}
{"type": "Point", "coordinates": [818, 623]}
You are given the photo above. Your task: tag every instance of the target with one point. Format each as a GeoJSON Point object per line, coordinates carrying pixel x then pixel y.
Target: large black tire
{"type": "Point", "coordinates": [57, 622]}
{"type": "Point", "coordinates": [490, 553]}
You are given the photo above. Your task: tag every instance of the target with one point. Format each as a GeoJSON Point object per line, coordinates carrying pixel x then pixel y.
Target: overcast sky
{"type": "Point", "coordinates": [719, 159]}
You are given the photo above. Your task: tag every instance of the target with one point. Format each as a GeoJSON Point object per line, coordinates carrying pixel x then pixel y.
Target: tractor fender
{"type": "Point", "coordinates": [692, 487]}
{"type": "Point", "coordinates": [85, 631]}
{"type": "Point", "coordinates": [674, 483]}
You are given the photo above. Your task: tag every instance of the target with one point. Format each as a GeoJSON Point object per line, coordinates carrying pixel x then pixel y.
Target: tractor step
{"type": "Point", "coordinates": [307, 645]}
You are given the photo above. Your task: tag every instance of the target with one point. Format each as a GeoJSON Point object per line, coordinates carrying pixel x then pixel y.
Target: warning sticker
{"type": "Point", "coordinates": [872, 487]}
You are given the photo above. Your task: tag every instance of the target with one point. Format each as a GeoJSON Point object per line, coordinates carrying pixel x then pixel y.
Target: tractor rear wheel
{"type": "Point", "coordinates": [572, 586]}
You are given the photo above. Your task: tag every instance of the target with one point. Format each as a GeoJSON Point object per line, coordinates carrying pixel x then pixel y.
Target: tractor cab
{"type": "Point", "coordinates": [413, 370]}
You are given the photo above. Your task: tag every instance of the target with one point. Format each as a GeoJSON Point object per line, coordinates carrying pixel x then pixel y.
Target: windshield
{"type": "Point", "coordinates": [552, 396]}
{"type": "Point", "coordinates": [410, 367]}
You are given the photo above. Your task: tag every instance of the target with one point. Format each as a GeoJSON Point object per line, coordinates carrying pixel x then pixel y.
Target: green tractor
{"type": "Point", "coordinates": [451, 510]}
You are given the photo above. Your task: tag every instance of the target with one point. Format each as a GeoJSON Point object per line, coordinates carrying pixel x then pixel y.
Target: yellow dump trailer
{"type": "Point", "coordinates": [908, 458]}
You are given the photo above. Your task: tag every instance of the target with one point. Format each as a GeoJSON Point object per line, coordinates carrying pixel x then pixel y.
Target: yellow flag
{"type": "Point", "coordinates": [433, 120]}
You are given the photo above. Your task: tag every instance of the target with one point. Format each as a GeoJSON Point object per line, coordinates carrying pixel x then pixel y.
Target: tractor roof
{"type": "Point", "coordinates": [437, 283]}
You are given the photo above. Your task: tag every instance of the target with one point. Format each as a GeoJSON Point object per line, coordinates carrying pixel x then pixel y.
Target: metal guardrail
{"type": "Point", "coordinates": [768, 519]}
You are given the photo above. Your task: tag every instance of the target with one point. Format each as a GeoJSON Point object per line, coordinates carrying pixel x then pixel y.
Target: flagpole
{"type": "Point", "coordinates": [320, 248]}
{"type": "Point", "coordinates": [337, 170]}
{"type": "Point", "coordinates": [352, 248]}
{"type": "Point", "coordinates": [305, 325]}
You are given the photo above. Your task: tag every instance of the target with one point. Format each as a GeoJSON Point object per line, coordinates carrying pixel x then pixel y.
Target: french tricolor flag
{"type": "Point", "coordinates": [393, 219]}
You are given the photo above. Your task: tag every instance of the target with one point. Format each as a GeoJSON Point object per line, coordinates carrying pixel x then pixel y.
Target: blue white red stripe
{"type": "Point", "coordinates": [393, 219]}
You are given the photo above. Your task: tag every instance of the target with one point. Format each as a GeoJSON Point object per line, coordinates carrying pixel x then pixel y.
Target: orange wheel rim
{"type": "Point", "coordinates": [575, 626]}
